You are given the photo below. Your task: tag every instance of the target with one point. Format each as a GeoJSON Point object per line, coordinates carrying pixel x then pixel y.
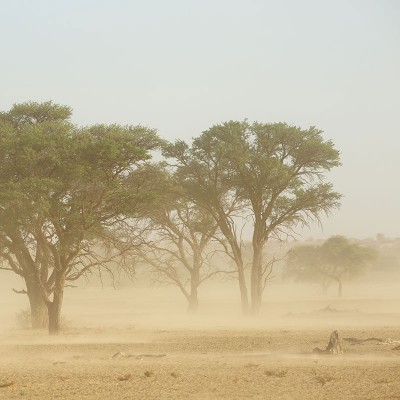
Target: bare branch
{"type": "Point", "coordinates": [22, 291]}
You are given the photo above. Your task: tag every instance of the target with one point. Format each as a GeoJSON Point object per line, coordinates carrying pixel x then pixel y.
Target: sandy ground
{"type": "Point", "coordinates": [156, 352]}
{"type": "Point", "coordinates": [208, 364]}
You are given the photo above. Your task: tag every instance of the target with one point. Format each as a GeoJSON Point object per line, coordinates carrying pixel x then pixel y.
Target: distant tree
{"type": "Point", "coordinates": [62, 189]}
{"type": "Point", "coordinates": [270, 174]}
{"type": "Point", "coordinates": [304, 263]}
{"type": "Point", "coordinates": [177, 245]}
{"type": "Point", "coordinates": [336, 260]}
{"type": "Point", "coordinates": [388, 260]}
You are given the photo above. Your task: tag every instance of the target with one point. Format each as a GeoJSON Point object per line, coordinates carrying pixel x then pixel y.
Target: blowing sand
{"type": "Point", "coordinates": [113, 349]}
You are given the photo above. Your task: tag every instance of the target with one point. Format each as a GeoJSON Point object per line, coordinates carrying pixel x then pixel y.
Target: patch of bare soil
{"type": "Point", "coordinates": [204, 364]}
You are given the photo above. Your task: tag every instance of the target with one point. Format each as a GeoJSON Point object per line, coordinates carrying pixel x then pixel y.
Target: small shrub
{"type": "Point", "coordinates": [276, 374]}
{"type": "Point", "coordinates": [23, 319]}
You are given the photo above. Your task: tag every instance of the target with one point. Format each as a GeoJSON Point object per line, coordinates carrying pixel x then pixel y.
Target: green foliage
{"type": "Point", "coordinates": [346, 257]}
{"type": "Point", "coordinates": [276, 170]}
{"type": "Point", "coordinates": [335, 260]}
{"type": "Point", "coordinates": [36, 113]}
{"type": "Point", "coordinates": [62, 188]}
{"type": "Point", "coordinates": [272, 174]}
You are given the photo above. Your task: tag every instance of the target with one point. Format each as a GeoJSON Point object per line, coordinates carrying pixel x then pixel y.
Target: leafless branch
{"type": "Point", "coordinates": [22, 291]}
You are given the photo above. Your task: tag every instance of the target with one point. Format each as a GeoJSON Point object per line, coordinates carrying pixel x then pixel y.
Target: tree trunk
{"type": "Point", "coordinates": [54, 307]}
{"type": "Point", "coordinates": [256, 268]}
{"type": "Point", "coordinates": [244, 299]}
{"type": "Point", "coordinates": [39, 314]}
{"type": "Point", "coordinates": [340, 287]}
{"type": "Point", "coordinates": [226, 230]}
{"type": "Point", "coordinates": [194, 284]}
{"type": "Point", "coordinates": [54, 310]}
{"type": "Point", "coordinates": [193, 302]}
{"type": "Point", "coordinates": [243, 292]}
{"type": "Point", "coordinates": [256, 279]}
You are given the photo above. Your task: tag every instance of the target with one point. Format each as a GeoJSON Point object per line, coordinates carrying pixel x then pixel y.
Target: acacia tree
{"type": "Point", "coordinates": [336, 260]}
{"type": "Point", "coordinates": [179, 251]}
{"type": "Point", "coordinates": [17, 178]}
{"type": "Point", "coordinates": [176, 246]}
{"type": "Point", "coordinates": [202, 173]}
{"type": "Point", "coordinates": [304, 264]}
{"type": "Point", "coordinates": [61, 189]}
{"type": "Point", "coordinates": [272, 173]}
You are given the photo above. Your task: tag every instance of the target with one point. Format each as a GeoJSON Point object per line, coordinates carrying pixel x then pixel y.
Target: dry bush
{"type": "Point", "coordinates": [23, 320]}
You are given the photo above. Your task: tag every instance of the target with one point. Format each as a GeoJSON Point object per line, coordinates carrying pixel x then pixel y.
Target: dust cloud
{"type": "Point", "coordinates": [286, 305]}
{"type": "Point", "coordinates": [139, 340]}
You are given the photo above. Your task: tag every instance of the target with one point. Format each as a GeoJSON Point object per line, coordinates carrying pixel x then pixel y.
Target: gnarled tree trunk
{"type": "Point", "coordinates": [39, 313]}
{"type": "Point", "coordinates": [54, 311]}
{"type": "Point", "coordinates": [193, 302]}
{"type": "Point", "coordinates": [237, 256]}
{"type": "Point", "coordinates": [243, 292]}
{"type": "Point", "coordinates": [194, 283]}
{"type": "Point", "coordinates": [256, 270]}
{"type": "Point", "coordinates": [54, 307]}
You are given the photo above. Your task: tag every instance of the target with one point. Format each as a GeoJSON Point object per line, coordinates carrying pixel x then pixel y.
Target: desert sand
{"type": "Point", "coordinates": [136, 343]}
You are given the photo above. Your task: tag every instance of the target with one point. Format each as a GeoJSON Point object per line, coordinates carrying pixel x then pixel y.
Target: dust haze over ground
{"type": "Point", "coordinates": [138, 342]}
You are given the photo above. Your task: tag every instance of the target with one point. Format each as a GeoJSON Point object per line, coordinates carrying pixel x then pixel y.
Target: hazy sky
{"type": "Point", "coordinates": [182, 65]}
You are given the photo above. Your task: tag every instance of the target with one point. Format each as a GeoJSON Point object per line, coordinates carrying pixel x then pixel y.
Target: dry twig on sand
{"type": "Point", "coordinates": [121, 354]}
{"type": "Point", "coordinates": [387, 341]}
{"type": "Point", "coordinates": [6, 384]}
{"type": "Point", "coordinates": [354, 341]}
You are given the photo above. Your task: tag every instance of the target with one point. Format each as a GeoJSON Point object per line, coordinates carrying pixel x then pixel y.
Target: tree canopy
{"type": "Point", "coordinates": [61, 188]}
{"type": "Point", "coordinates": [273, 174]}
{"type": "Point", "coordinates": [334, 261]}
{"type": "Point", "coordinates": [64, 190]}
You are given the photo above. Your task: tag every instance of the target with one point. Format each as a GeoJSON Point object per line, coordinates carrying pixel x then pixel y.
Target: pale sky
{"type": "Point", "coordinates": [181, 66]}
